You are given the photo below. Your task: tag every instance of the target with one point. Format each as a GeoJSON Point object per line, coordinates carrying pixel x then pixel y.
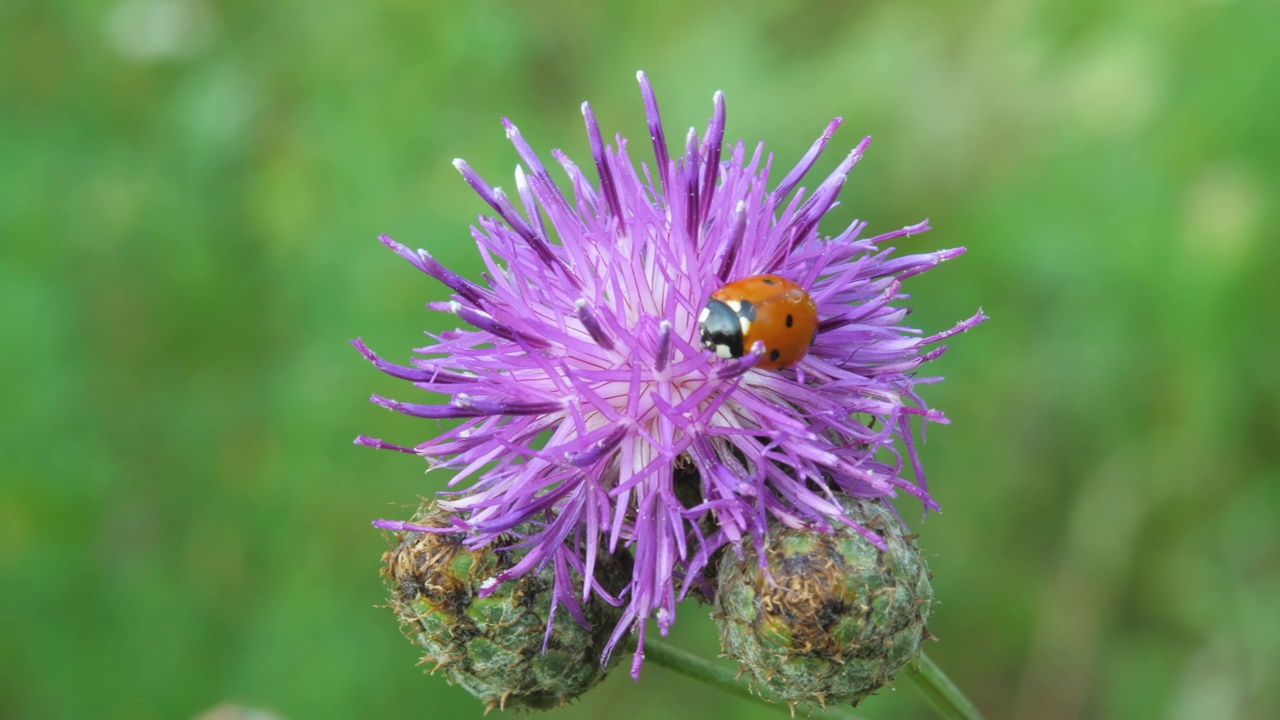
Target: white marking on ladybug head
{"type": "Point", "coordinates": [723, 351]}
{"type": "Point", "coordinates": [745, 324]}
{"type": "Point", "coordinates": [734, 305]}
{"type": "Point", "coordinates": [706, 313]}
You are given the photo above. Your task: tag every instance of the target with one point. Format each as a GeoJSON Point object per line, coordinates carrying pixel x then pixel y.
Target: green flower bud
{"type": "Point", "coordinates": [493, 646]}
{"type": "Point", "coordinates": [834, 618]}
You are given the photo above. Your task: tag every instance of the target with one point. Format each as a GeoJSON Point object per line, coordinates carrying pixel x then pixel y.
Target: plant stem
{"type": "Point", "coordinates": [938, 689]}
{"type": "Point", "coordinates": [703, 670]}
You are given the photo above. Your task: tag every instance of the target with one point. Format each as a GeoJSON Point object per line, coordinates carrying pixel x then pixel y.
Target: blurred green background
{"type": "Point", "coordinates": [189, 195]}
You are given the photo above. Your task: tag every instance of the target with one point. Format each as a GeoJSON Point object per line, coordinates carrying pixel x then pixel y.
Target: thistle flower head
{"type": "Point", "coordinates": [589, 414]}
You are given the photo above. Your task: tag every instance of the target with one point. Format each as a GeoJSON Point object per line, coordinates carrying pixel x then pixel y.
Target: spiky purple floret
{"type": "Point", "coordinates": [583, 392]}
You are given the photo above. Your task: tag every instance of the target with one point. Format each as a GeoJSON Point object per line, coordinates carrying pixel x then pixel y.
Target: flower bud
{"type": "Point", "coordinates": [833, 618]}
{"type": "Point", "coordinates": [493, 645]}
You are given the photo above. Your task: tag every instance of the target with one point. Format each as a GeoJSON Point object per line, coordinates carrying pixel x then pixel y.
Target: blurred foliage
{"type": "Point", "coordinates": [189, 192]}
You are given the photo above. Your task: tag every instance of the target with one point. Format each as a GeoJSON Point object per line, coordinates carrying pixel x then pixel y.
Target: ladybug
{"type": "Point", "coordinates": [768, 308]}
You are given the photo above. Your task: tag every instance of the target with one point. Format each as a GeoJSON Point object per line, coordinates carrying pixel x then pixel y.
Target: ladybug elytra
{"type": "Point", "coordinates": [766, 308]}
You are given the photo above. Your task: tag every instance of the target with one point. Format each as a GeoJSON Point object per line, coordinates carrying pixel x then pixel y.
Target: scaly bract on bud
{"type": "Point", "coordinates": [832, 618]}
{"type": "Point", "coordinates": [497, 646]}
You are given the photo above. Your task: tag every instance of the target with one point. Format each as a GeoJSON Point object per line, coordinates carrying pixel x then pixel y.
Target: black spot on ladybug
{"type": "Point", "coordinates": [790, 320]}
{"type": "Point", "coordinates": [774, 355]}
{"type": "Point", "coordinates": [769, 281]}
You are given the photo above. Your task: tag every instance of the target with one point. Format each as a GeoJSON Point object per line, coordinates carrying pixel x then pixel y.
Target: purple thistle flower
{"type": "Point", "coordinates": [588, 408]}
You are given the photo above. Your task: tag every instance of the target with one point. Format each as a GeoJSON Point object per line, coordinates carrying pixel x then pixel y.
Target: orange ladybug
{"type": "Point", "coordinates": [768, 308]}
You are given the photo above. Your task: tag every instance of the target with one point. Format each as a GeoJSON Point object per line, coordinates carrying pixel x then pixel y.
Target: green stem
{"type": "Point", "coordinates": [938, 689]}
{"type": "Point", "coordinates": [703, 670]}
